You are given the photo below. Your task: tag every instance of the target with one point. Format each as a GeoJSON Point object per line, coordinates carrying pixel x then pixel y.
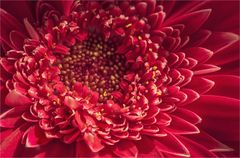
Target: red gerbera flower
{"type": "Point", "coordinates": [119, 79]}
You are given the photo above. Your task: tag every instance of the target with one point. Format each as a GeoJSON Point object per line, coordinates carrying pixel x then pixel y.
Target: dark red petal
{"type": "Point", "coordinates": [35, 137]}
{"type": "Point", "coordinates": [17, 39]}
{"type": "Point", "coordinates": [180, 126]}
{"type": "Point", "coordinates": [14, 98]}
{"type": "Point", "coordinates": [199, 37]}
{"type": "Point", "coordinates": [170, 144]}
{"type": "Point", "coordinates": [9, 23]}
{"type": "Point", "coordinates": [31, 30]}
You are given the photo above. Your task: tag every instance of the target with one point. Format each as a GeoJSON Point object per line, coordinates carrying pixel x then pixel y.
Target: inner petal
{"type": "Point", "coordinates": [95, 63]}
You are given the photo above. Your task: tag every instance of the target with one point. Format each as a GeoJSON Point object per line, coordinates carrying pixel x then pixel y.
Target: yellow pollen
{"type": "Point", "coordinates": [155, 68]}
{"type": "Point", "coordinates": [128, 25]}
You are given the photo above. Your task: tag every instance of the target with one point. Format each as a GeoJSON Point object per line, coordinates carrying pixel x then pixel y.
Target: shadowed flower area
{"type": "Point", "coordinates": [119, 78]}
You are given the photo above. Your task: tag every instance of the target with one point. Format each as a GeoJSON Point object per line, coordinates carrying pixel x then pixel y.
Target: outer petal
{"type": "Point", "coordinates": [9, 144]}
{"type": "Point", "coordinates": [126, 149]}
{"type": "Point", "coordinates": [34, 137]}
{"type": "Point", "coordinates": [170, 144]}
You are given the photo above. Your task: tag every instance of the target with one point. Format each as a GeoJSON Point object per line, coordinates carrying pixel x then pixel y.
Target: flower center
{"type": "Point", "coordinates": [95, 63]}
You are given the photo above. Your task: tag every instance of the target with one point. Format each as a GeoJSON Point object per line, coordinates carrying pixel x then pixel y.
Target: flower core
{"type": "Point", "coordinates": [94, 63]}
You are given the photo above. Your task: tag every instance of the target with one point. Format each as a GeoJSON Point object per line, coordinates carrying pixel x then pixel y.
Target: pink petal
{"type": "Point", "coordinates": [126, 149]}
{"type": "Point", "coordinates": [15, 98]}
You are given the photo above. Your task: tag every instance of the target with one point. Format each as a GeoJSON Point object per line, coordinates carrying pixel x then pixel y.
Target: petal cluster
{"type": "Point", "coordinates": [147, 113]}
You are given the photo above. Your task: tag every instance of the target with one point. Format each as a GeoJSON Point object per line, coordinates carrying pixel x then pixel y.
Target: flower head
{"type": "Point", "coordinates": [114, 78]}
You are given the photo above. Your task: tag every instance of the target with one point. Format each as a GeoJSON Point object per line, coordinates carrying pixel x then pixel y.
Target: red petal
{"type": "Point", "coordinates": [226, 54]}
{"type": "Point", "coordinates": [170, 144]}
{"type": "Point", "coordinates": [199, 53]}
{"type": "Point", "coordinates": [209, 142]}
{"type": "Point", "coordinates": [9, 144]}
{"type": "Point", "coordinates": [146, 148]}
{"type": "Point", "coordinates": [82, 150]}
{"type": "Point", "coordinates": [126, 149]}
{"type": "Point", "coordinates": [71, 102]}
{"type": "Point", "coordinates": [9, 118]}
{"type": "Point", "coordinates": [223, 88]}
{"type": "Point", "coordinates": [93, 142]}
{"type": "Point", "coordinates": [193, 21]}
{"type": "Point", "coordinates": [205, 69]}
{"type": "Point", "coordinates": [34, 137]}
{"type": "Point", "coordinates": [224, 39]}
{"type": "Point", "coordinates": [201, 85]}
{"type": "Point", "coordinates": [188, 115]}
{"type": "Point", "coordinates": [141, 8]}
{"type": "Point", "coordinates": [191, 96]}
{"type": "Point", "coordinates": [15, 98]}
{"type": "Point", "coordinates": [7, 65]}
{"type": "Point", "coordinates": [220, 116]}
{"type": "Point", "coordinates": [180, 126]}
{"type": "Point", "coordinates": [196, 149]}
